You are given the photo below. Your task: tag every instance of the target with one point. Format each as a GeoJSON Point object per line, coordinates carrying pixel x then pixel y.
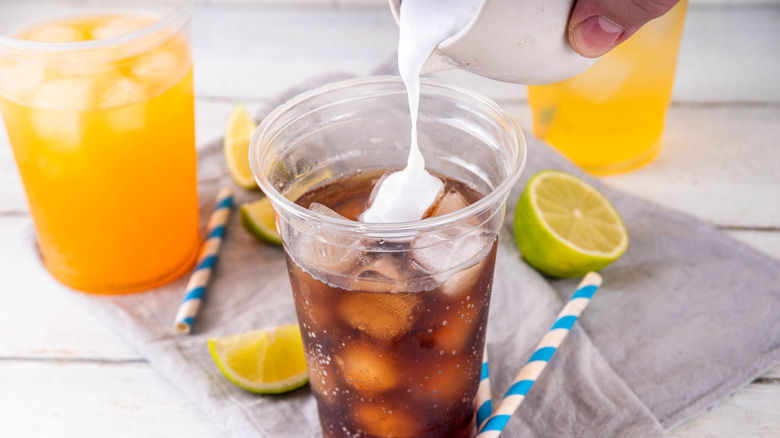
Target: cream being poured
{"type": "Point", "coordinates": [406, 195]}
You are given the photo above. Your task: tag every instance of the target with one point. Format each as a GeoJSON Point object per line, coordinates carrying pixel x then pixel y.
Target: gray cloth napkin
{"type": "Point", "coordinates": [683, 318]}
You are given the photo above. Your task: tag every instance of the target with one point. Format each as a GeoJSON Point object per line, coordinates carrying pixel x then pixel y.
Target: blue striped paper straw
{"type": "Point", "coordinates": [483, 401]}
{"type": "Point", "coordinates": [541, 356]}
{"type": "Point", "coordinates": [196, 288]}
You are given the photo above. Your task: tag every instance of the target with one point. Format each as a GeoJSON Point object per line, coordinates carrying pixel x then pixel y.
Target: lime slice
{"type": "Point", "coordinates": [565, 227]}
{"type": "Point", "coordinates": [240, 128]}
{"type": "Point", "coordinates": [258, 218]}
{"type": "Point", "coordinates": [266, 361]}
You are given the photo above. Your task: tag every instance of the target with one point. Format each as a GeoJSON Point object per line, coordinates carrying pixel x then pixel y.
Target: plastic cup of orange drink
{"type": "Point", "coordinates": [610, 118]}
{"type": "Point", "coordinates": [393, 316]}
{"type": "Point", "coordinates": [98, 108]}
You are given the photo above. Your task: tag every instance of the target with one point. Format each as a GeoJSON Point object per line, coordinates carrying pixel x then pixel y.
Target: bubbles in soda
{"type": "Point", "coordinates": [390, 340]}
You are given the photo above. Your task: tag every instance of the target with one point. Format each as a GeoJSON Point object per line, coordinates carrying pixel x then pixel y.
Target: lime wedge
{"type": "Point", "coordinates": [235, 145]}
{"type": "Point", "coordinates": [565, 227]}
{"type": "Point", "coordinates": [266, 361]}
{"type": "Point", "coordinates": [258, 218]}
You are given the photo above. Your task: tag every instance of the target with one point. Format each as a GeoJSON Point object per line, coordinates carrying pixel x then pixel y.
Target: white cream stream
{"type": "Point", "coordinates": [406, 195]}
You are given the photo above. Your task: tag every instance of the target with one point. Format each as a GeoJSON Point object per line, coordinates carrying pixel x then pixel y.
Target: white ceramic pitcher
{"type": "Point", "coordinates": [521, 41]}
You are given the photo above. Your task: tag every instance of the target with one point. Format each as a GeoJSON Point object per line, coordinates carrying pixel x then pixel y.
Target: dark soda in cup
{"type": "Point", "coordinates": [393, 315]}
{"type": "Point", "coordinates": [393, 343]}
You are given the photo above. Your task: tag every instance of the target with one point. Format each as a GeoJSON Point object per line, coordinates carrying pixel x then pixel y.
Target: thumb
{"type": "Point", "coordinates": [597, 26]}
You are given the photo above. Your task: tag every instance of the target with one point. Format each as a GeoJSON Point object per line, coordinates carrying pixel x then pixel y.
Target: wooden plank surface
{"type": "Point", "coordinates": [71, 376]}
{"type": "Point", "coordinates": [124, 399]}
{"type": "Point", "coordinates": [751, 412]}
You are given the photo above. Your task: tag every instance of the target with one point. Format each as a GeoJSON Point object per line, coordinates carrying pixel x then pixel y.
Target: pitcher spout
{"type": "Point", "coordinates": [438, 62]}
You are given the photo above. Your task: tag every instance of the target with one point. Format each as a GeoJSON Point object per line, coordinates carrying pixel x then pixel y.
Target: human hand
{"type": "Point", "coordinates": [597, 26]}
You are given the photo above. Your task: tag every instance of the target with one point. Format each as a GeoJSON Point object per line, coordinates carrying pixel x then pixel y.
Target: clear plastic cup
{"type": "Point", "coordinates": [393, 316]}
{"type": "Point", "coordinates": [98, 105]}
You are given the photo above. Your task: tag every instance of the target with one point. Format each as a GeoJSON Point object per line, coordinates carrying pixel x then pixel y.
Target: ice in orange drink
{"type": "Point", "coordinates": [103, 135]}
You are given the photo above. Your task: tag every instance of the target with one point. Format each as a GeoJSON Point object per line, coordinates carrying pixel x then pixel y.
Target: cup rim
{"type": "Point", "coordinates": [176, 14]}
{"type": "Point", "coordinates": [399, 229]}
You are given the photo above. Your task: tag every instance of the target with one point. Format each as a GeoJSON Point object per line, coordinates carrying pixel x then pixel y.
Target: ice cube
{"type": "Point", "coordinates": [377, 419]}
{"type": "Point", "coordinates": [464, 281]}
{"type": "Point", "coordinates": [131, 118]}
{"type": "Point", "coordinates": [450, 382]}
{"type": "Point", "coordinates": [159, 66]}
{"type": "Point", "coordinates": [125, 99]}
{"type": "Point", "coordinates": [19, 80]}
{"type": "Point", "coordinates": [380, 315]}
{"type": "Point", "coordinates": [57, 113]}
{"type": "Point", "coordinates": [330, 253]}
{"type": "Point", "coordinates": [377, 185]}
{"type": "Point", "coordinates": [119, 26]}
{"type": "Point", "coordinates": [450, 202]}
{"type": "Point", "coordinates": [365, 368]}
{"type": "Point", "coordinates": [451, 249]}
{"type": "Point", "coordinates": [65, 93]}
{"type": "Point", "coordinates": [457, 327]}
{"type": "Point", "coordinates": [60, 129]}
{"type": "Point", "coordinates": [325, 211]}
{"type": "Point", "coordinates": [73, 65]}
{"type": "Point", "coordinates": [383, 273]}
{"type": "Point", "coordinates": [55, 33]}
{"type": "Point", "coordinates": [122, 91]}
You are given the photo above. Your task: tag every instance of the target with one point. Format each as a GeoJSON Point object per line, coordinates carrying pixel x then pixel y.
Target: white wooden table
{"type": "Point", "coordinates": [62, 373]}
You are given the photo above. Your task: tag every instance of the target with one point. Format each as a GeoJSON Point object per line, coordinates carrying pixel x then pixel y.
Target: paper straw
{"type": "Point", "coordinates": [483, 401]}
{"type": "Point", "coordinates": [196, 288]}
{"type": "Point", "coordinates": [541, 356]}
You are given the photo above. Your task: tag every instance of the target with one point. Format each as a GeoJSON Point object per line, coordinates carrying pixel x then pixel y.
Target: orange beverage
{"type": "Point", "coordinates": [102, 127]}
{"type": "Point", "coordinates": [610, 118]}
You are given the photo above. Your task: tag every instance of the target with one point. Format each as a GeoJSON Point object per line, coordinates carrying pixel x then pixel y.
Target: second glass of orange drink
{"type": "Point", "coordinates": [99, 111]}
{"type": "Point", "coordinates": [610, 118]}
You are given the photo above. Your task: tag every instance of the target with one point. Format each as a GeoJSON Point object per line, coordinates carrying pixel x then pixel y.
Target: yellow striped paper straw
{"type": "Point", "coordinates": [196, 288]}
{"type": "Point", "coordinates": [541, 357]}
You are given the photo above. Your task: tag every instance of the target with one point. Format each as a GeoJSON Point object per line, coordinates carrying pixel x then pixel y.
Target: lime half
{"type": "Point", "coordinates": [235, 145]}
{"type": "Point", "coordinates": [266, 361]}
{"type": "Point", "coordinates": [258, 218]}
{"type": "Point", "coordinates": [565, 227]}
